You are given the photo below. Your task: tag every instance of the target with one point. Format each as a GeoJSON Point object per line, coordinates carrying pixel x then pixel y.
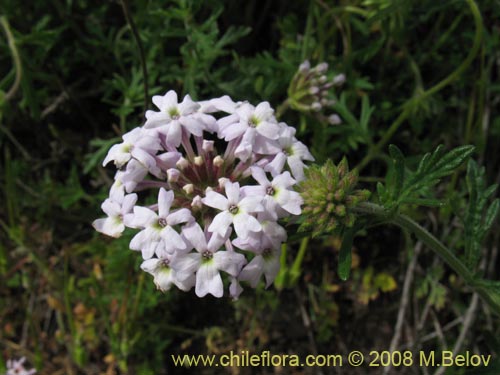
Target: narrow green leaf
{"type": "Point", "coordinates": [399, 170]}
{"type": "Point", "coordinates": [366, 113]}
{"type": "Point", "coordinates": [491, 215]}
{"type": "Point", "coordinates": [427, 202]}
{"type": "Point", "coordinates": [345, 254]}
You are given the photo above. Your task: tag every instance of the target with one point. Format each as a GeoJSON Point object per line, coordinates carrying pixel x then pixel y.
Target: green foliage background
{"type": "Point", "coordinates": [73, 79]}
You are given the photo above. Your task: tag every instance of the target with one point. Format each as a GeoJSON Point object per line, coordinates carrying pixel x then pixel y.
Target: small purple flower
{"type": "Point", "coordinates": [292, 153]}
{"type": "Point", "coordinates": [158, 235]}
{"type": "Point", "coordinates": [277, 196]}
{"type": "Point", "coordinates": [164, 275]}
{"type": "Point", "coordinates": [207, 261]}
{"type": "Point", "coordinates": [118, 211]}
{"type": "Point", "coordinates": [173, 117]}
{"type": "Point", "coordinates": [235, 209]}
{"type": "Point", "coordinates": [136, 144]}
{"type": "Point", "coordinates": [16, 367]}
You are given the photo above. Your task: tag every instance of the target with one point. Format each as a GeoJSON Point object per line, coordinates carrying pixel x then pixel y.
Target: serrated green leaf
{"type": "Point", "coordinates": [345, 254]}
{"type": "Point", "coordinates": [477, 222]}
{"type": "Point", "coordinates": [432, 168]}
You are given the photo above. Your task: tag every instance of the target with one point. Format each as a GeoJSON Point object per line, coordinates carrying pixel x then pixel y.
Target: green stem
{"type": "Point", "coordinates": [297, 263]}
{"type": "Point", "coordinates": [430, 241]}
{"type": "Point", "coordinates": [130, 21]}
{"type": "Point", "coordinates": [282, 108]}
{"type": "Point", "coordinates": [410, 103]}
{"type": "Point", "coordinates": [15, 58]}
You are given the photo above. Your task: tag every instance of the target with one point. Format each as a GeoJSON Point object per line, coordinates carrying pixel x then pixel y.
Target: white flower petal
{"type": "Point", "coordinates": [150, 265]}
{"type": "Point", "coordinates": [252, 271]}
{"type": "Point", "coordinates": [263, 111]}
{"type": "Point", "coordinates": [186, 265]}
{"type": "Point", "coordinates": [272, 266]}
{"type": "Point", "coordinates": [174, 133]}
{"type": "Point", "coordinates": [111, 208]}
{"type": "Point", "coordinates": [165, 199]}
{"type": "Point", "coordinates": [194, 234]}
{"type": "Point", "coordinates": [291, 201]}
{"type": "Point", "coordinates": [173, 240]}
{"type": "Point", "coordinates": [221, 222]}
{"type": "Point", "coordinates": [182, 215]}
{"type": "Point", "coordinates": [156, 119]}
{"type": "Point", "coordinates": [111, 226]}
{"type": "Point", "coordinates": [251, 204]}
{"type": "Point", "coordinates": [260, 176]}
{"type": "Point", "coordinates": [229, 261]}
{"type": "Point", "coordinates": [128, 203]}
{"type": "Point", "coordinates": [277, 164]}
{"type": "Point", "coordinates": [208, 281]}
{"type": "Point", "coordinates": [232, 192]}
{"type": "Point", "coordinates": [143, 217]}
{"type": "Point", "coordinates": [216, 200]}
{"type": "Point", "coordinates": [268, 130]}
{"type": "Point", "coordinates": [138, 240]}
{"type": "Point", "coordinates": [244, 223]}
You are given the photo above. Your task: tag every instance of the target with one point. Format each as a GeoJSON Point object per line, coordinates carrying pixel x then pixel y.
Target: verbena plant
{"type": "Point", "coordinates": [413, 74]}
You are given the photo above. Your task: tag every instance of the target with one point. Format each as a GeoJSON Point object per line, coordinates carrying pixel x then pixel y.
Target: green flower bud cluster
{"type": "Point", "coordinates": [329, 195]}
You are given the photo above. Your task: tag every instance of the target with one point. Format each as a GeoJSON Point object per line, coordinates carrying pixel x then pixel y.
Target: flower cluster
{"type": "Point", "coordinates": [329, 196]}
{"type": "Point", "coordinates": [16, 367]}
{"type": "Point", "coordinates": [224, 174]}
{"type": "Point", "coordinates": [309, 88]}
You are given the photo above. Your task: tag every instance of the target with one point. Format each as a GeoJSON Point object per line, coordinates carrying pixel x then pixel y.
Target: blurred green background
{"type": "Point", "coordinates": [76, 74]}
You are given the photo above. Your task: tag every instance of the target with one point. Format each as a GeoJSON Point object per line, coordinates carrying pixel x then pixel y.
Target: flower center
{"type": "Point", "coordinates": [270, 190]}
{"type": "Point", "coordinates": [266, 253]}
{"type": "Point", "coordinates": [164, 263]}
{"type": "Point", "coordinates": [253, 122]}
{"type": "Point", "coordinates": [162, 222]}
{"type": "Point", "coordinates": [207, 255]}
{"type": "Point", "coordinates": [174, 113]}
{"type": "Point", "coordinates": [233, 209]}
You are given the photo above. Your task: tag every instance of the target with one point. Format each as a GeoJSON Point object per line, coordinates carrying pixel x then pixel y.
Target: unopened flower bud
{"type": "Point", "coordinates": [305, 66]}
{"type": "Point", "coordinates": [218, 161]}
{"type": "Point", "coordinates": [188, 188]}
{"type": "Point", "coordinates": [208, 146]}
{"type": "Point", "coordinates": [182, 163]}
{"type": "Point", "coordinates": [313, 90]}
{"type": "Point", "coordinates": [198, 160]}
{"type": "Point", "coordinates": [339, 79]}
{"type": "Point", "coordinates": [334, 119]}
{"type": "Point", "coordinates": [321, 68]}
{"type": "Point", "coordinates": [173, 175]}
{"type": "Point", "coordinates": [316, 106]}
{"type": "Point", "coordinates": [329, 195]}
{"type": "Point", "coordinates": [222, 182]}
{"type": "Point", "coordinates": [197, 203]}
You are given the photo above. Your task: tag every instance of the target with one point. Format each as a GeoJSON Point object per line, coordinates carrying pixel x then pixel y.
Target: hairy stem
{"type": "Point", "coordinates": [430, 241]}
